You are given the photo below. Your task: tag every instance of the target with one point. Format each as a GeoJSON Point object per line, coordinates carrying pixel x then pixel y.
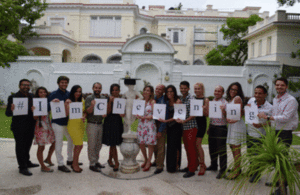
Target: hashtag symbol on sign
{"type": "Point", "coordinates": [20, 106]}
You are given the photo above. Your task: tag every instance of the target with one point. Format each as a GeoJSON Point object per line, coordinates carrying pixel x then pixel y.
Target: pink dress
{"type": "Point", "coordinates": [146, 131]}
{"type": "Point", "coordinates": [43, 133]}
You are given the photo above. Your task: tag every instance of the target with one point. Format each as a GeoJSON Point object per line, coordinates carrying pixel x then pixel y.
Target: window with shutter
{"type": "Point", "coordinates": [105, 26]}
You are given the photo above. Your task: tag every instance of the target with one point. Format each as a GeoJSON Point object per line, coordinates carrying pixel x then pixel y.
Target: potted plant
{"type": "Point", "coordinates": [272, 158]}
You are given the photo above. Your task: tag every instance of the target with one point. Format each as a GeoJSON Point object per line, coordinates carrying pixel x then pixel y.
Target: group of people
{"type": "Point", "coordinates": [150, 132]}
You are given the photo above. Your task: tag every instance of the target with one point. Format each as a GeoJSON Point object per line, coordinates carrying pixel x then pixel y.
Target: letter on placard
{"type": "Point", "coordinates": [119, 106]}
{"type": "Point", "coordinates": [214, 109]}
{"type": "Point", "coordinates": [138, 107]}
{"type": "Point", "coordinates": [58, 110]}
{"type": "Point", "coordinates": [76, 110]}
{"type": "Point", "coordinates": [21, 106]}
{"type": "Point", "coordinates": [251, 114]}
{"type": "Point", "coordinates": [196, 107]}
{"type": "Point", "coordinates": [233, 111]}
{"type": "Point", "coordinates": [159, 111]}
{"type": "Point", "coordinates": [100, 107]}
{"type": "Point", "coordinates": [41, 107]}
{"type": "Point", "coordinates": [179, 111]}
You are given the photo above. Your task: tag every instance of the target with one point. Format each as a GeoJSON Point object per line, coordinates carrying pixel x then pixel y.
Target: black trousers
{"type": "Point", "coordinates": [174, 134]}
{"type": "Point", "coordinates": [286, 136]}
{"type": "Point", "coordinates": [217, 146]}
{"type": "Point", "coordinates": [23, 139]}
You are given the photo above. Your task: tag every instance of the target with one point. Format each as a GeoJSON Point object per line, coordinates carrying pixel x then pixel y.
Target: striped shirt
{"type": "Point", "coordinates": [219, 121]}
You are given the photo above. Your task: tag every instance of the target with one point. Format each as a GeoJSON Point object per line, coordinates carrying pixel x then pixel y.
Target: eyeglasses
{"type": "Point", "coordinates": [25, 85]}
{"type": "Point", "coordinates": [170, 91]}
{"type": "Point", "coordinates": [233, 90]}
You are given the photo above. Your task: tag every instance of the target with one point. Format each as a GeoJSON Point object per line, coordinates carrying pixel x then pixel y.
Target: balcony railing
{"type": "Point", "coordinates": [54, 29]}
{"type": "Point", "coordinates": [293, 17]}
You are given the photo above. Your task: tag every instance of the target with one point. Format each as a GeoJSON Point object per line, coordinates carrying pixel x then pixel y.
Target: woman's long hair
{"type": "Point", "coordinates": [239, 92]}
{"type": "Point", "coordinates": [112, 87]}
{"type": "Point", "coordinates": [72, 93]}
{"type": "Point", "coordinates": [151, 90]}
{"type": "Point", "coordinates": [37, 91]}
{"type": "Point", "coordinates": [174, 90]}
{"type": "Point", "coordinates": [37, 95]}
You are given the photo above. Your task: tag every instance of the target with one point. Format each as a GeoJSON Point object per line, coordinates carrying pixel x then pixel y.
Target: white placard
{"type": "Point", "coordinates": [251, 114]}
{"type": "Point", "coordinates": [196, 107]}
{"type": "Point", "coordinates": [159, 111]}
{"type": "Point", "coordinates": [100, 107]}
{"type": "Point", "coordinates": [233, 111]}
{"type": "Point", "coordinates": [138, 107]}
{"type": "Point", "coordinates": [214, 109]}
{"type": "Point", "coordinates": [119, 106]}
{"type": "Point", "coordinates": [76, 110]}
{"type": "Point", "coordinates": [41, 107]}
{"type": "Point", "coordinates": [58, 110]}
{"type": "Point", "coordinates": [21, 106]}
{"type": "Point", "coordinates": [179, 111]}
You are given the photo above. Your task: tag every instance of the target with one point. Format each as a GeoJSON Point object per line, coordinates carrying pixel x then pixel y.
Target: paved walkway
{"type": "Point", "coordinates": [108, 182]}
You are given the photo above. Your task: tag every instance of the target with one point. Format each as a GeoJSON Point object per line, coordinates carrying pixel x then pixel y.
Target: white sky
{"type": "Point", "coordinates": [224, 5]}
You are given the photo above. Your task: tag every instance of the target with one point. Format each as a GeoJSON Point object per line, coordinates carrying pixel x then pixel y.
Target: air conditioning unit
{"type": "Point", "coordinates": [186, 62]}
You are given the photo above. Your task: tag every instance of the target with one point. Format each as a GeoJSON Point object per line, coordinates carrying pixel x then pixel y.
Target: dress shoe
{"type": "Point", "coordinates": [253, 178]}
{"type": "Point", "coordinates": [50, 164]}
{"type": "Point", "coordinates": [221, 175]}
{"type": "Point", "coordinates": [147, 168]}
{"type": "Point", "coordinates": [69, 163]}
{"type": "Point", "coordinates": [278, 192]}
{"type": "Point", "coordinates": [186, 169]}
{"type": "Point", "coordinates": [99, 166]}
{"type": "Point", "coordinates": [270, 184]}
{"type": "Point", "coordinates": [158, 171]}
{"type": "Point", "coordinates": [153, 164]}
{"type": "Point", "coordinates": [63, 168]}
{"type": "Point", "coordinates": [188, 174]}
{"type": "Point", "coordinates": [25, 172]}
{"type": "Point", "coordinates": [95, 168]}
{"type": "Point", "coordinates": [211, 168]}
{"type": "Point", "coordinates": [32, 165]}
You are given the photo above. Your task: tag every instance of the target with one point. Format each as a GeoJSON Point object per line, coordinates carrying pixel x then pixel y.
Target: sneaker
{"type": "Point", "coordinates": [63, 168]}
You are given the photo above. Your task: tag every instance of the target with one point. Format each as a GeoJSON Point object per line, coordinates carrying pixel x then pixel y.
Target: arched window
{"type": "Point", "coordinates": [92, 58]}
{"type": "Point", "coordinates": [198, 62]}
{"type": "Point", "coordinates": [115, 59]}
{"type": "Point", "coordinates": [178, 62]}
{"type": "Point", "coordinates": [66, 56]}
{"type": "Point", "coordinates": [143, 31]}
{"type": "Point", "coordinates": [40, 51]}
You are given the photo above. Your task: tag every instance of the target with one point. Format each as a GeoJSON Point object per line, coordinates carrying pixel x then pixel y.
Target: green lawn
{"type": "Point", "coordinates": [5, 131]}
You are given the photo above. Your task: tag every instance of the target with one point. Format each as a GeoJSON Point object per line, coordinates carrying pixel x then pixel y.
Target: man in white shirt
{"type": "Point", "coordinates": [255, 130]}
{"type": "Point", "coordinates": [285, 115]}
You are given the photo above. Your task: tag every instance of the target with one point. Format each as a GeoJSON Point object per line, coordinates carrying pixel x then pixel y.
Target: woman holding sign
{"type": "Point", "coordinates": [146, 131]}
{"type": "Point", "coordinates": [174, 131]}
{"type": "Point", "coordinates": [113, 128]}
{"type": "Point", "coordinates": [199, 91]}
{"type": "Point", "coordinates": [76, 126]}
{"type": "Point", "coordinates": [236, 128]}
{"type": "Point", "coordinates": [43, 134]}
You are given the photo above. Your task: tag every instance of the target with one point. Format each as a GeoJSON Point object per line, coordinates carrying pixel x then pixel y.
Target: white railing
{"type": "Point", "coordinates": [271, 19]}
{"type": "Point", "coordinates": [106, 1]}
{"type": "Point", "coordinates": [293, 16]}
{"type": "Point", "coordinates": [42, 29]}
{"type": "Point", "coordinates": [66, 33]}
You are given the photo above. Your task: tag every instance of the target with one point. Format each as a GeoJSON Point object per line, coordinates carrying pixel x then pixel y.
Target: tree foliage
{"type": "Point", "coordinates": [12, 12]}
{"type": "Point", "coordinates": [287, 2]}
{"type": "Point", "coordinates": [9, 51]}
{"type": "Point", "coordinates": [235, 54]}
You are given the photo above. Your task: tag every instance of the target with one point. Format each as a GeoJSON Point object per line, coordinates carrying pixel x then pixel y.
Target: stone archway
{"type": "Point", "coordinates": [147, 73]}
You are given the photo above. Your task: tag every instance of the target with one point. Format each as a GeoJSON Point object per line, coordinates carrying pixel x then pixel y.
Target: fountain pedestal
{"type": "Point", "coordinates": [129, 149]}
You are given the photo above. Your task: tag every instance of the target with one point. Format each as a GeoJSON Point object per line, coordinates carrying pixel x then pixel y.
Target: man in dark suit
{"type": "Point", "coordinates": [22, 127]}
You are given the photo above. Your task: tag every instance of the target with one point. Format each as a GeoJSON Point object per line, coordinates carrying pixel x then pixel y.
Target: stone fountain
{"type": "Point", "coordinates": [129, 147]}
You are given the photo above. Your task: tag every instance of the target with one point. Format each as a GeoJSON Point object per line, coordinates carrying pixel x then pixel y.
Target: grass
{"type": "Point", "coordinates": [5, 131]}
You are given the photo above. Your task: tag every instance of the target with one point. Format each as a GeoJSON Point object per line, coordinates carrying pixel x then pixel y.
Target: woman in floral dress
{"type": "Point", "coordinates": [43, 134]}
{"type": "Point", "coordinates": [146, 131]}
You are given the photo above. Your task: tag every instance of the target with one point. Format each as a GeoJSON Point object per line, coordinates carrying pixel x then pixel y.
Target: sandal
{"type": "Point", "coordinates": [110, 163]}
{"type": "Point", "coordinates": [47, 171]}
{"type": "Point", "coordinates": [49, 163]}
{"type": "Point", "coordinates": [202, 169]}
